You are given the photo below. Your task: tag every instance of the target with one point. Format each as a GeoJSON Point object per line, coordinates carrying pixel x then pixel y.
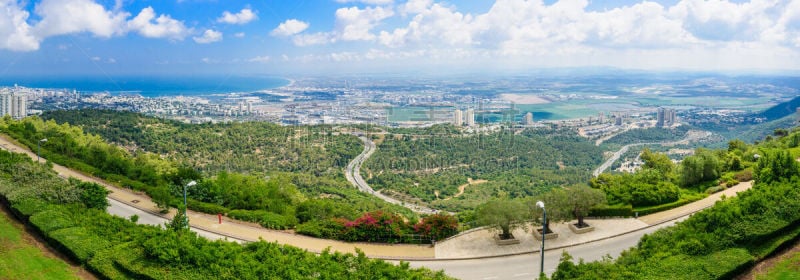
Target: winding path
{"type": "Point", "coordinates": [353, 175]}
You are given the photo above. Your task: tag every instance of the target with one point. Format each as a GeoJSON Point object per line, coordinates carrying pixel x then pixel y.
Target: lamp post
{"type": "Point", "coordinates": [544, 233]}
{"type": "Point", "coordinates": [185, 217]}
{"type": "Point", "coordinates": [39, 149]}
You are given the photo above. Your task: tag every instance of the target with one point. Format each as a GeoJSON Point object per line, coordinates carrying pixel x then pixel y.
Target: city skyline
{"type": "Point", "coordinates": [103, 37]}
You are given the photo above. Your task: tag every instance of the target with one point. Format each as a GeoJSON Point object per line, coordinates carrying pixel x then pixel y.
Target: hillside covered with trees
{"type": "Point", "coordinates": [313, 205]}
{"type": "Point", "coordinates": [430, 164]}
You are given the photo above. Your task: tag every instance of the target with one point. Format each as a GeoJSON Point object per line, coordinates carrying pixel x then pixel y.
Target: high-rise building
{"type": "Point", "coordinates": [458, 118]}
{"type": "Point", "coordinates": [528, 120]}
{"type": "Point", "coordinates": [618, 119]}
{"type": "Point", "coordinates": [665, 117]}
{"type": "Point", "coordinates": [670, 118]}
{"type": "Point", "coordinates": [601, 117]}
{"type": "Point", "coordinates": [798, 114]}
{"type": "Point", "coordinates": [14, 104]}
{"type": "Point", "coordinates": [469, 118]}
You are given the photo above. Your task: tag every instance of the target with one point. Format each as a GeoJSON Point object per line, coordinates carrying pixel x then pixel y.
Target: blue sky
{"type": "Point", "coordinates": [108, 37]}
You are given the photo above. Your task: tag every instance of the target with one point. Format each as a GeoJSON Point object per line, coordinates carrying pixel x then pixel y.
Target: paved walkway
{"type": "Point", "coordinates": [471, 244]}
{"type": "Point", "coordinates": [480, 243]}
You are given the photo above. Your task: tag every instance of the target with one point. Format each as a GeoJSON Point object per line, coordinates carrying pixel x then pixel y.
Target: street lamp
{"type": "Point", "coordinates": [544, 233]}
{"type": "Point", "coordinates": [185, 217]}
{"type": "Point", "coordinates": [39, 149]}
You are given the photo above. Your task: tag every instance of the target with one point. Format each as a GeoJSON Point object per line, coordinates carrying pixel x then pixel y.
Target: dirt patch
{"type": "Point", "coordinates": [464, 187]}
{"type": "Point", "coordinates": [29, 237]}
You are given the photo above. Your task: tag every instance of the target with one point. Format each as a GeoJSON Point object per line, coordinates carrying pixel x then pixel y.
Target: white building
{"type": "Point", "coordinates": [14, 104]}
{"type": "Point", "coordinates": [528, 120]}
{"type": "Point", "coordinates": [469, 118]}
{"type": "Point", "coordinates": [458, 117]}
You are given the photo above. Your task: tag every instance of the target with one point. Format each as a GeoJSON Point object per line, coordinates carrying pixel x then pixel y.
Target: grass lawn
{"type": "Point", "coordinates": [20, 258]}
{"type": "Point", "coordinates": [788, 268]}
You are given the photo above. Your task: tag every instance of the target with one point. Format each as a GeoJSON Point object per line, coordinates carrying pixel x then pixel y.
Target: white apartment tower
{"type": "Point", "coordinates": [528, 120]}
{"type": "Point", "coordinates": [470, 117]}
{"type": "Point", "coordinates": [458, 117]}
{"type": "Point", "coordinates": [14, 104]}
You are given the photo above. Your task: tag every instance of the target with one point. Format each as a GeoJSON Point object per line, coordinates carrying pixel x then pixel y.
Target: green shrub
{"type": "Point", "coordinates": [321, 228]}
{"type": "Point", "coordinates": [50, 220]}
{"type": "Point", "coordinates": [78, 242]}
{"type": "Point", "coordinates": [715, 189]}
{"type": "Point", "coordinates": [263, 218]}
{"type": "Point", "coordinates": [663, 207]}
{"type": "Point", "coordinates": [744, 175]}
{"type": "Point", "coordinates": [29, 206]}
{"type": "Point", "coordinates": [206, 207]}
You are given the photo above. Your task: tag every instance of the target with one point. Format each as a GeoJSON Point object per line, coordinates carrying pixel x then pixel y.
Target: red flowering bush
{"type": "Point", "coordinates": [376, 226]}
{"type": "Point", "coordinates": [437, 226]}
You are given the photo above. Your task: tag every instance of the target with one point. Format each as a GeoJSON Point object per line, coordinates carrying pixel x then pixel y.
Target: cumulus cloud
{"type": "Point", "coordinates": [356, 24]}
{"type": "Point", "coordinates": [289, 27]}
{"type": "Point", "coordinates": [15, 32]}
{"type": "Point", "coordinates": [209, 36]}
{"type": "Point", "coordinates": [18, 32]}
{"type": "Point", "coordinates": [239, 35]}
{"type": "Point", "coordinates": [244, 16]}
{"type": "Point", "coordinates": [72, 16]}
{"type": "Point", "coordinates": [164, 26]}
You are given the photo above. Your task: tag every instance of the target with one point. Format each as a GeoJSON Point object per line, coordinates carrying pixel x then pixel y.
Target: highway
{"type": "Point", "coordinates": [353, 175]}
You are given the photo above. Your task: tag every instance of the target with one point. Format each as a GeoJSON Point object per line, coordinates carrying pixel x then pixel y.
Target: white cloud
{"type": "Point", "coordinates": [244, 16]}
{"type": "Point", "coordinates": [73, 16]}
{"type": "Point", "coordinates": [96, 58]}
{"type": "Point", "coordinates": [415, 6]}
{"type": "Point", "coordinates": [289, 27]}
{"type": "Point", "coordinates": [15, 32]}
{"type": "Point", "coordinates": [368, 2]}
{"type": "Point", "coordinates": [354, 24]}
{"type": "Point", "coordinates": [147, 25]}
{"type": "Point", "coordinates": [111, 60]}
{"type": "Point", "coordinates": [209, 36]}
{"type": "Point", "coordinates": [239, 35]}
{"type": "Point", "coordinates": [260, 59]}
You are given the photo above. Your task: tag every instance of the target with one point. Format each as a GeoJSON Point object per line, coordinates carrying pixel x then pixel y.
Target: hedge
{"type": "Point", "coordinates": [611, 211]}
{"type": "Point", "coordinates": [50, 220]}
{"type": "Point", "coordinates": [206, 207]}
{"type": "Point", "coordinates": [264, 218]}
{"type": "Point", "coordinates": [663, 207]}
{"type": "Point", "coordinates": [29, 206]}
{"type": "Point", "coordinates": [78, 242]}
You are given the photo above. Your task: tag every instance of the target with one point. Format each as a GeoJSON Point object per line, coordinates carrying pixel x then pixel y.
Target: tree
{"type": "Point", "coordinates": [93, 195]}
{"type": "Point", "coordinates": [580, 199]}
{"type": "Point", "coordinates": [502, 214]}
{"type": "Point", "coordinates": [657, 161]}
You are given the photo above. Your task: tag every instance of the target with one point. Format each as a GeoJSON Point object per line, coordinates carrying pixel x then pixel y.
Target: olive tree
{"type": "Point", "coordinates": [502, 214]}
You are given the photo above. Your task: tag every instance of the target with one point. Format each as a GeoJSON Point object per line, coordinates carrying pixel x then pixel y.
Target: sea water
{"type": "Point", "coordinates": [152, 86]}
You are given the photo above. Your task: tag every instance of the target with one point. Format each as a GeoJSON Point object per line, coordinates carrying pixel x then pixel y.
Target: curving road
{"type": "Point", "coordinates": [353, 175]}
{"type": "Point", "coordinates": [526, 266]}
